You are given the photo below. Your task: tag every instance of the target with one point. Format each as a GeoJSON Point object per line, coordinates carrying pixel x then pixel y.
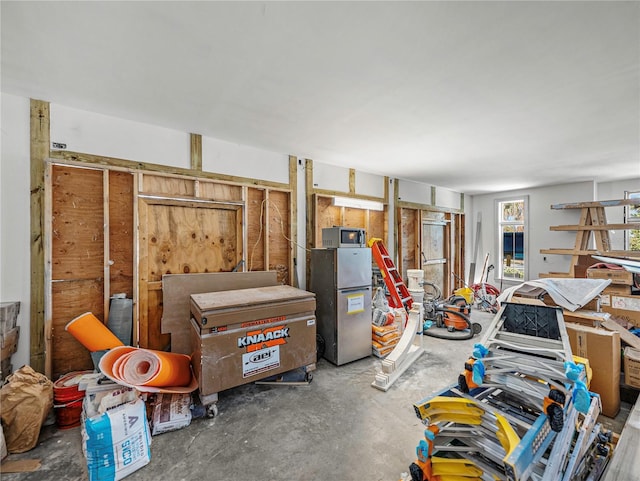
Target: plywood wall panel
{"type": "Point", "coordinates": [121, 233]}
{"type": "Point", "coordinates": [279, 245]}
{"type": "Point", "coordinates": [220, 192]}
{"type": "Point", "coordinates": [77, 223]}
{"type": "Point", "coordinates": [409, 240]}
{"type": "Point", "coordinates": [354, 218]}
{"type": "Point", "coordinates": [190, 239]}
{"type": "Point", "coordinates": [255, 229]}
{"type": "Point", "coordinates": [327, 215]}
{"type": "Point", "coordinates": [69, 300]}
{"type": "Point", "coordinates": [377, 225]}
{"type": "Point", "coordinates": [165, 185]}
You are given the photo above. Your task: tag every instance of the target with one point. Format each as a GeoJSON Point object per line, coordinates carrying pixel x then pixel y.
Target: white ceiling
{"type": "Point", "coordinates": [473, 96]}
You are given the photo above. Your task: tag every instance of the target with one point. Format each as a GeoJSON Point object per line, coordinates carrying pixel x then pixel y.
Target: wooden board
{"type": "Point", "coordinates": [278, 244]}
{"type": "Point", "coordinates": [255, 254]}
{"type": "Point", "coordinates": [121, 233]}
{"type": "Point", "coordinates": [77, 261]}
{"type": "Point", "coordinates": [220, 192]}
{"type": "Point", "coordinates": [622, 466]}
{"type": "Point", "coordinates": [327, 215]}
{"type": "Point", "coordinates": [625, 335]}
{"type": "Point", "coordinates": [409, 240]}
{"type": "Point", "coordinates": [168, 185]}
{"type": "Point", "coordinates": [70, 299]}
{"type": "Point", "coordinates": [377, 226]}
{"type": "Point", "coordinates": [180, 239]}
{"type": "Point", "coordinates": [19, 465]}
{"type": "Point", "coordinates": [9, 343]}
{"type": "Point", "coordinates": [177, 288]}
{"type": "Point", "coordinates": [77, 227]}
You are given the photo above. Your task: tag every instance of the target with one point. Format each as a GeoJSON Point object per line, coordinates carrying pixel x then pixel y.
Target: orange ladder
{"type": "Point", "coordinates": [399, 295]}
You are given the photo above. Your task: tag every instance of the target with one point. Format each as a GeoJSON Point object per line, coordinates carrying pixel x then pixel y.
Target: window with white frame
{"type": "Point", "coordinates": [512, 239]}
{"type": "Point", "coordinates": [632, 214]}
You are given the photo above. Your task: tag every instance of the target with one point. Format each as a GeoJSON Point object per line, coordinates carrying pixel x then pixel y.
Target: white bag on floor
{"type": "Point", "coordinates": [117, 443]}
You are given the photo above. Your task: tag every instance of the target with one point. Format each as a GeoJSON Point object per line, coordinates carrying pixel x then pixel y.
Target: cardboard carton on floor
{"type": "Point", "coordinates": [626, 308]}
{"type": "Point", "coordinates": [602, 348]}
{"type": "Point", "coordinates": [617, 276]}
{"type": "Point", "coordinates": [632, 367]}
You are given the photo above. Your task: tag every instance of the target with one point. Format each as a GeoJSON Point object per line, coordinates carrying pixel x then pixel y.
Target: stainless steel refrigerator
{"type": "Point", "coordinates": [341, 280]}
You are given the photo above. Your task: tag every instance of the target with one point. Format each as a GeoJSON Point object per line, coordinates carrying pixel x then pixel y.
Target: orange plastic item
{"type": "Point", "coordinates": [92, 333]}
{"type": "Point", "coordinates": [149, 370]}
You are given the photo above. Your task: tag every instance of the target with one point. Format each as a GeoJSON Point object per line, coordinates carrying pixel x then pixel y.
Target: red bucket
{"type": "Point", "coordinates": [67, 400]}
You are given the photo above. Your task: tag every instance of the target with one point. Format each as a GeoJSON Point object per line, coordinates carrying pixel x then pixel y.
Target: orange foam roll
{"type": "Point", "coordinates": [92, 333]}
{"type": "Point", "coordinates": [145, 367]}
{"type": "Point", "coordinates": [149, 370]}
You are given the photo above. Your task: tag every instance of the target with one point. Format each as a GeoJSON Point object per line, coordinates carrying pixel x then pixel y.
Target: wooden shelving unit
{"type": "Point", "coordinates": [593, 220]}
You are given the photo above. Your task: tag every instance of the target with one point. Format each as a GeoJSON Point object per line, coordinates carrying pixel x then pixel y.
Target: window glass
{"type": "Point", "coordinates": [632, 214]}
{"type": "Point", "coordinates": [512, 239]}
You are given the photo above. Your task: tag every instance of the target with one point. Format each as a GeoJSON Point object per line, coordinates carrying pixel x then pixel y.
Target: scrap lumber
{"type": "Point", "coordinates": [625, 335]}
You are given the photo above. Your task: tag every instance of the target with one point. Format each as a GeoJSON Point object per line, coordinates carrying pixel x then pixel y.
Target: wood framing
{"type": "Point", "coordinates": [39, 151]}
{"type": "Point", "coordinates": [411, 242]}
{"type": "Point", "coordinates": [111, 162]}
{"type": "Point", "coordinates": [293, 221]}
{"type": "Point", "coordinates": [196, 152]}
{"type": "Point", "coordinates": [137, 206]}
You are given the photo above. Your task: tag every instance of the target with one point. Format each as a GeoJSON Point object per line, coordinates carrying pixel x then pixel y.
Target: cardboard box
{"type": "Point", "coordinates": [632, 367]}
{"type": "Point", "coordinates": [617, 276]}
{"type": "Point", "coordinates": [626, 308]}
{"type": "Point", "coordinates": [617, 289]}
{"type": "Point", "coordinates": [602, 348]}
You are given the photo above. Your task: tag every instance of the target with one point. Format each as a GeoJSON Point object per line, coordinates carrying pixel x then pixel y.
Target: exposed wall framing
{"type": "Point", "coordinates": [423, 228]}
{"type": "Point", "coordinates": [116, 226]}
{"type": "Point", "coordinates": [322, 213]}
{"type": "Point", "coordinates": [39, 151]}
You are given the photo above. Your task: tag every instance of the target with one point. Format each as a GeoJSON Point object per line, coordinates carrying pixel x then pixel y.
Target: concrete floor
{"type": "Point", "coordinates": [336, 428]}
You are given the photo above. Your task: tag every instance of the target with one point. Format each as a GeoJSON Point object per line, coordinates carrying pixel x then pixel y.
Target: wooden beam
{"type": "Point", "coordinates": [40, 150]}
{"type": "Point", "coordinates": [196, 152]}
{"type": "Point", "coordinates": [352, 181]}
{"type": "Point", "coordinates": [429, 207]}
{"type": "Point", "coordinates": [601, 203]}
{"type": "Point", "coordinates": [143, 166]}
{"type": "Point", "coordinates": [433, 195]}
{"type": "Point", "coordinates": [293, 221]}
{"type": "Point", "coordinates": [333, 193]}
{"type": "Point", "coordinates": [397, 225]}
{"type": "Point", "coordinates": [601, 227]}
{"type": "Point", "coordinates": [310, 215]}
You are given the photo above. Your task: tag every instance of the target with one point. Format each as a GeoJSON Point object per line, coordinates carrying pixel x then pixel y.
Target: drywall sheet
{"type": "Point", "coordinates": [369, 184]}
{"type": "Point", "coordinates": [415, 192]}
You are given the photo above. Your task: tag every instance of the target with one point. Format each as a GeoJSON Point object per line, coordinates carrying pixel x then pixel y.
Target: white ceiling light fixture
{"type": "Point", "coordinates": [358, 203]}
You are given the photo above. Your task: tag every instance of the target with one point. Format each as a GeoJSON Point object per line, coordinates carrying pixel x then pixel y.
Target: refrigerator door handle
{"type": "Point", "coordinates": [356, 289]}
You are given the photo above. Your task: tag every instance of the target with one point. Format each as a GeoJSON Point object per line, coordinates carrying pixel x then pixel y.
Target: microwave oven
{"type": "Point", "coordinates": [333, 237]}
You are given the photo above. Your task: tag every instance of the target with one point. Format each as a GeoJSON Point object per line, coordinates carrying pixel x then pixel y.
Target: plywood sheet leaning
{"type": "Point", "coordinates": [176, 289]}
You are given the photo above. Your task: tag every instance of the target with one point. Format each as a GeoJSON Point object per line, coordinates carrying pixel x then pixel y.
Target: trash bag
{"type": "Point", "coordinates": [26, 399]}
